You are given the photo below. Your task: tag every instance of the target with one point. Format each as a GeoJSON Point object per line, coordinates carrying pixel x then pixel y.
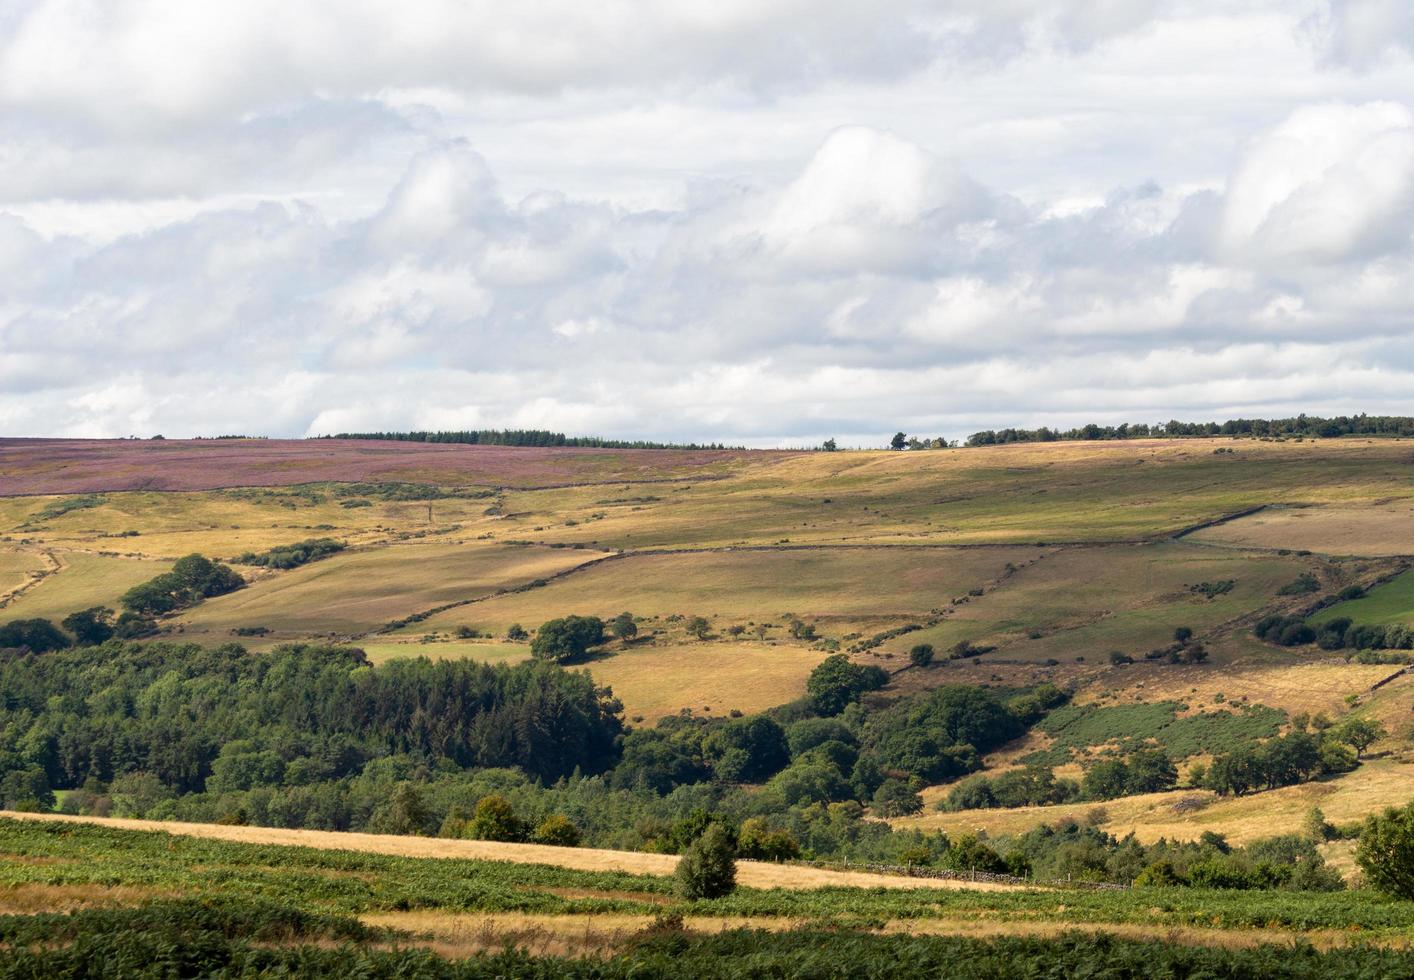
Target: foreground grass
{"type": "Point", "coordinates": [45, 866]}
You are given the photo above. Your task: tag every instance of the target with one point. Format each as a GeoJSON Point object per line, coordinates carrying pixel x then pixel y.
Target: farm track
{"type": "Point", "coordinates": [753, 874]}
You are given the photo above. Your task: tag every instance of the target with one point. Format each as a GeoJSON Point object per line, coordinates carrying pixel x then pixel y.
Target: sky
{"type": "Point", "coordinates": [762, 222]}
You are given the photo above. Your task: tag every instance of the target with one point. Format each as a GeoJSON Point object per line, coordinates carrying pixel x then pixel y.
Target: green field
{"type": "Point", "coordinates": [1392, 602]}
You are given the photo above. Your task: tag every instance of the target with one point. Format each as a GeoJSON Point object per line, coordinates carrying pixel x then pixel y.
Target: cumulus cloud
{"type": "Point", "coordinates": [1330, 182]}
{"type": "Point", "coordinates": [755, 223]}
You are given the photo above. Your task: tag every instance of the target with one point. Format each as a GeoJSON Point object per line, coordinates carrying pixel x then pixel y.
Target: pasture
{"type": "Point", "coordinates": [1378, 528]}
{"type": "Point", "coordinates": [840, 590]}
{"type": "Point", "coordinates": [358, 591]}
{"type": "Point", "coordinates": [1086, 602]}
{"type": "Point", "coordinates": [77, 580]}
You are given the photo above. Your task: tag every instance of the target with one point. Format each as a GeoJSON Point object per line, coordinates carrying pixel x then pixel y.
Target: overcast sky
{"type": "Point", "coordinates": [758, 221]}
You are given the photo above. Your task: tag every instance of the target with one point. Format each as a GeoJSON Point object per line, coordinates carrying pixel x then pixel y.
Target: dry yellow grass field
{"type": "Point", "coordinates": [1319, 686]}
{"type": "Point", "coordinates": [653, 681]}
{"type": "Point", "coordinates": [458, 935]}
{"type": "Point", "coordinates": [752, 874]}
{"type": "Point", "coordinates": [81, 580]}
{"type": "Point", "coordinates": [712, 677]}
{"type": "Point", "coordinates": [1379, 783]}
{"type": "Point", "coordinates": [1379, 528]}
{"type": "Point", "coordinates": [19, 571]}
{"type": "Point", "coordinates": [486, 651]}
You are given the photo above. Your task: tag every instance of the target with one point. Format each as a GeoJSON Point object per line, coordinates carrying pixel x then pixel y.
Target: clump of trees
{"type": "Point", "coordinates": [1296, 757]}
{"type": "Point", "coordinates": [191, 580]}
{"type": "Point", "coordinates": [1144, 771]}
{"type": "Point", "coordinates": [1287, 631]}
{"type": "Point", "coordinates": [568, 639]}
{"type": "Point", "coordinates": [293, 555]}
{"type": "Point", "coordinates": [191, 719]}
{"type": "Point", "coordinates": [35, 635]}
{"type": "Point", "coordinates": [1303, 425]}
{"type": "Point", "coordinates": [837, 682]}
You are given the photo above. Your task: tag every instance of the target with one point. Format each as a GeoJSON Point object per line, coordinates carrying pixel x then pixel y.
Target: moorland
{"type": "Point", "coordinates": [1148, 687]}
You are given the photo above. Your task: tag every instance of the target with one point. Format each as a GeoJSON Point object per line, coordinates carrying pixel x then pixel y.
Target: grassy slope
{"type": "Point", "coordinates": [1392, 602]}
{"type": "Point", "coordinates": [53, 865]}
{"type": "Point", "coordinates": [1082, 601]}
{"type": "Point", "coordinates": [1376, 784]}
{"type": "Point", "coordinates": [82, 580]}
{"type": "Point", "coordinates": [838, 590]}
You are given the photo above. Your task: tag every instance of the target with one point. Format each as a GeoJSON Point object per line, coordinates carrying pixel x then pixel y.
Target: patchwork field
{"type": "Point", "coordinates": [1087, 602]}
{"type": "Point", "coordinates": [1071, 563]}
{"type": "Point", "coordinates": [839, 589]}
{"type": "Point", "coordinates": [358, 591]}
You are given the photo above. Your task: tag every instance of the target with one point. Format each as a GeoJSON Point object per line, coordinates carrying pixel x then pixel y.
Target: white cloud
{"type": "Point", "coordinates": [738, 221]}
{"type": "Point", "coordinates": [1330, 181]}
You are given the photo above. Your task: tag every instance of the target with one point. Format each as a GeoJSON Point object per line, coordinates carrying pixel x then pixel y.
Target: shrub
{"type": "Point", "coordinates": [495, 819]}
{"type": "Point", "coordinates": [623, 627]}
{"type": "Point", "coordinates": [558, 830]}
{"type": "Point", "coordinates": [516, 632]}
{"type": "Point", "coordinates": [1386, 851]}
{"type": "Point", "coordinates": [921, 655]}
{"type": "Point", "coordinates": [967, 853]}
{"type": "Point", "coordinates": [758, 842]}
{"type": "Point", "coordinates": [293, 555]}
{"type": "Point", "coordinates": [1304, 584]}
{"type": "Point", "coordinates": [707, 869]}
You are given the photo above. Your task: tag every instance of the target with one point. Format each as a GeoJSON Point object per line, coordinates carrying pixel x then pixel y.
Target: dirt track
{"type": "Point", "coordinates": [753, 874]}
